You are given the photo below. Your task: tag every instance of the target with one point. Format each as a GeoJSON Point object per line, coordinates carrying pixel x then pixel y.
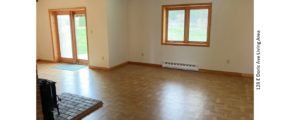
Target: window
{"type": "Point", "coordinates": [186, 25]}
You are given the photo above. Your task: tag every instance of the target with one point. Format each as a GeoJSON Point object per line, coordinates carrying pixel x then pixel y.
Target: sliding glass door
{"type": "Point", "coordinates": [72, 36]}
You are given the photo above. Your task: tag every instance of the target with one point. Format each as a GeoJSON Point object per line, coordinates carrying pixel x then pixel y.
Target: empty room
{"type": "Point", "coordinates": [145, 59]}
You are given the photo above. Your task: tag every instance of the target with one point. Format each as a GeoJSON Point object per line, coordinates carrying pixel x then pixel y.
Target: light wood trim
{"type": "Point", "coordinates": [248, 75]}
{"type": "Point", "coordinates": [164, 26]}
{"type": "Point", "coordinates": [80, 12]}
{"type": "Point", "coordinates": [68, 9]}
{"type": "Point", "coordinates": [57, 44]}
{"type": "Point", "coordinates": [188, 5]}
{"type": "Point", "coordinates": [98, 68]}
{"type": "Point", "coordinates": [122, 64]}
{"type": "Point", "coordinates": [67, 60]}
{"type": "Point", "coordinates": [201, 70]}
{"type": "Point", "coordinates": [166, 30]}
{"type": "Point", "coordinates": [44, 60]}
{"type": "Point", "coordinates": [52, 35]}
{"type": "Point", "coordinates": [186, 25]}
{"type": "Point", "coordinates": [187, 8]}
{"type": "Point", "coordinates": [87, 37]}
{"type": "Point", "coordinates": [83, 62]}
{"type": "Point", "coordinates": [73, 36]}
{"type": "Point", "coordinates": [119, 65]}
{"type": "Point", "coordinates": [106, 68]}
{"type": "Point", "coordinates": [61, 12]}
{"type": "Point", "coordinates": [226, 73]}
{"type": "Point", "coordinates": [220, 72]}
{"type": "Point", "coordinates": [147, 64]}
{"type": "Point", "coordinates": [209, 25]}
{"type": "Point", "coordinates": [200, 44]}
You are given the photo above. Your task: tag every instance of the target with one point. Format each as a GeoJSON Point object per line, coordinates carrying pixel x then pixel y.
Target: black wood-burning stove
{"type": "Point", "coordinates": [48, 98]}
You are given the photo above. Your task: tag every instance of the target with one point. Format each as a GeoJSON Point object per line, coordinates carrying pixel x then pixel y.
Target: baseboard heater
{"type": "Point", "coordinates": [181, 66]}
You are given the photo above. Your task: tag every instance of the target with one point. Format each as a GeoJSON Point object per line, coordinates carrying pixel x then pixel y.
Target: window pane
{"type": "Point", "coordinates": [65, 39]}
{"type": "Point", "coordinates": [176, 25]}
{"type": "Point", "coordinates": [198, 25]}
{"type": "Point", "coordinates": [81, 36]}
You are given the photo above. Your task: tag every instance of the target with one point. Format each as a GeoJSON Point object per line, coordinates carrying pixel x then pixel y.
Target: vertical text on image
{"type": "Point", "coordinates": [258, 61]}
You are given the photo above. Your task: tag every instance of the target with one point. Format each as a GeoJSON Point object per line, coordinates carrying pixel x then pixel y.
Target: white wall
{"type": "Point", "coordinates": [97, 28]}
{"type": "Point", "coordinates": [231, 36]}
{"type": "Point", "coordinates": [117, 31]}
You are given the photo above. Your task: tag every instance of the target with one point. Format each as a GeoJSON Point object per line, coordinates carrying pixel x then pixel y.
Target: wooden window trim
{"type": "Point", "coordinates": [187, 8]}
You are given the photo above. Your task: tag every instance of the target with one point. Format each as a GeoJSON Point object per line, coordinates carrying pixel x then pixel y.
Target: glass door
{"type": "Point", "coordinates": [65, 38]}
{"type": "Point", "coordinates": [72, 36]}
{"type": "Point", "coordinates": [81, 38]}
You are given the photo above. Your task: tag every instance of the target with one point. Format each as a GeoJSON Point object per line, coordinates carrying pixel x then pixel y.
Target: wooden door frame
{"type": "Point", "coordinates": [55, 35]}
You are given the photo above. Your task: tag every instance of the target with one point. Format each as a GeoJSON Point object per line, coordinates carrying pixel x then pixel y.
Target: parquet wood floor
{"type": "Point", "coordinates": [137, 92]}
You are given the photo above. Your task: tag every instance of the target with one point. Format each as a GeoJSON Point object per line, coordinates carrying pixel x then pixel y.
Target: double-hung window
{"type": "Point", "coordinates": [187, 25]}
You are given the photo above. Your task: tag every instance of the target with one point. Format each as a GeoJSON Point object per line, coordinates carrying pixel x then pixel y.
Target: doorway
{"type": "Point", "coordinates": [69, 35]}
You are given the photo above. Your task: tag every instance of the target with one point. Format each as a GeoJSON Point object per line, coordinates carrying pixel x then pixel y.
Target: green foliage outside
{"type": "Point", "coordinates": [198, 25]}
{"type": "Point", "coordinates": [81, 35]}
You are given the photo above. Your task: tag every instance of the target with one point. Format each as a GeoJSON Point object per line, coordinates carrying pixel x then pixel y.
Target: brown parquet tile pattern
{"type": "Point", "coordinates": [136, 92]}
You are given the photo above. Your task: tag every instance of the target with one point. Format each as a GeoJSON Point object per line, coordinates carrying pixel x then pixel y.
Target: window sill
{"type": "Point", "coordinates": [198, 44]}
